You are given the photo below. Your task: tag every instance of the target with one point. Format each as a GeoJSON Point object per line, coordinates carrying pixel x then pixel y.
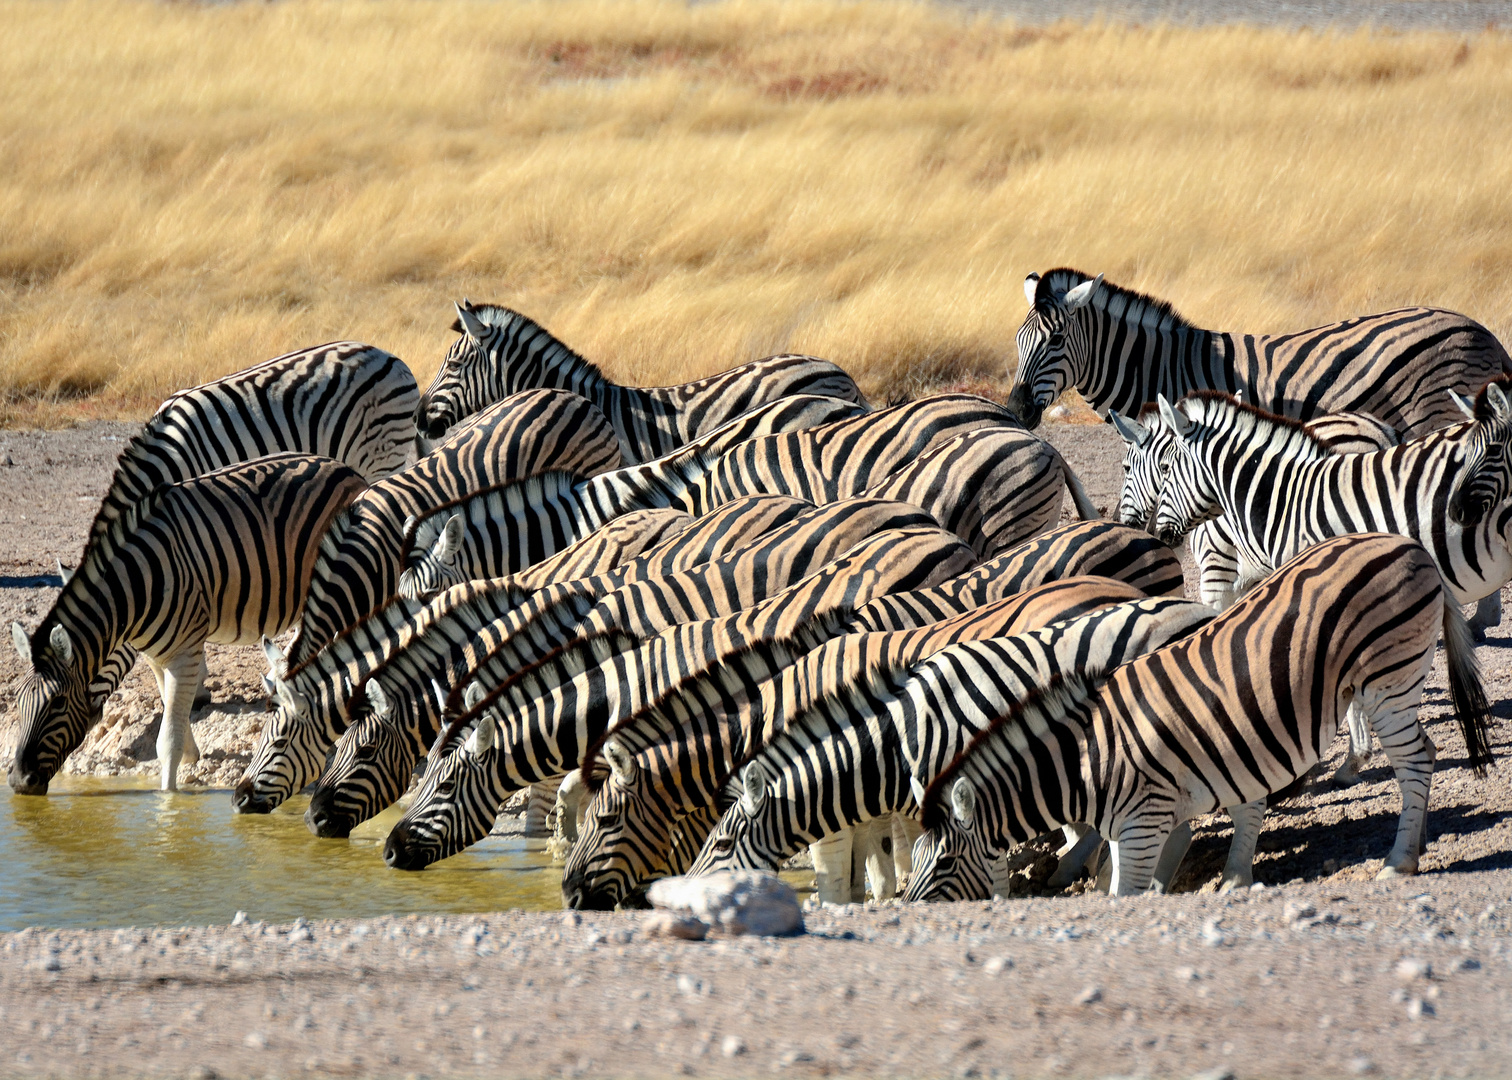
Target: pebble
{"type": "Point", "coordinates": [1410, 967]}
{"type": "Point", "coordinates": [1361, 1065]}
{"type": "Point", "coordinates": [1417, 1008]}
{"type": "Point", "coordinates": [666, 924]}
{"type": "Point", "coordinates": [1089, 996]}
{"type": "Point", "coordinates": [794, 1057]}
{"type": "Point", "coordinates": [239, 919]}
{"type": "Point", "coordinates": [732, 1046]}
{"type": "Point", "coordinates": [1212, 935]}
{"type": "Point", "coordinates": [1222, 1072]}
{"type": "Point", "coordinates": [255, 1040]}
{"type": "Point", "coordinates": [1299, 909]}
{"type": "Point", "coordinates": [996, 965]}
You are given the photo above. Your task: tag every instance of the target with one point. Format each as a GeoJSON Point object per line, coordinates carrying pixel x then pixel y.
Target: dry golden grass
{"type": "Point", "coordinates": [672, 190]}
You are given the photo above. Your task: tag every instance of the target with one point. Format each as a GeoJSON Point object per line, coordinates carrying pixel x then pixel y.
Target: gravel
{"type": "Point", "coordinates": [1457, 16]}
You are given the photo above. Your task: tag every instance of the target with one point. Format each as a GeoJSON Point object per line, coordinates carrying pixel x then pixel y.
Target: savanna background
{"type": "Point", "coordinates": [674, 189]}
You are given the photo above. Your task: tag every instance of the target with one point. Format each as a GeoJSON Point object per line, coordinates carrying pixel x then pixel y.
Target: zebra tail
{"type": "Point", "coordinates": [1084, 508]}
{"type": "Point", "coordinates": [1467, 691]}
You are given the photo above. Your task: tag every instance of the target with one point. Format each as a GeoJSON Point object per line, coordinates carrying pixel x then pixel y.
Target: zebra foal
{"type": "Point", "coordinates": [502, 352]}
{"type": "Point", "coordinates": [1120, 349]}
{"type": "Point", "coordinates": [1223, 718]}
{"type": "Point", "coordinates": [223, 557]}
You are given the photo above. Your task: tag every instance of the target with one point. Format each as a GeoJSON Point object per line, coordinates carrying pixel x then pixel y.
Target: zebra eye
{"type": "Point", "coordinates": [608, 821]}
{"type": "Point", "coordinates": [367, 752]}
{"type": "Point", "coordinates": [723, 845]}
{"type": "Point", "coordinates": [281, 742]}
{"type": "Point", "coordinates": [445, 788]}
{"type": "Point", "coordinates": [945, 864]}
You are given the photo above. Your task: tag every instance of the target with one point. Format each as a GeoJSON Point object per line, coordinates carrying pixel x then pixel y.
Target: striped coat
{"type": "Point", "coordinates": [1120, 350]}
{"type": "Point", "coordinates": [223, 557]}
{"type": "Point", "coordinates": [1222, 718]}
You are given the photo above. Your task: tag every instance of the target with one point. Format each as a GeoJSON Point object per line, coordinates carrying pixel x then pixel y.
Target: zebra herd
{"type": "Point", "coordinates": [714, 625]}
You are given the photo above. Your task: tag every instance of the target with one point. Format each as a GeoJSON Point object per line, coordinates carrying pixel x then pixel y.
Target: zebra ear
{"type": "Point", "coordinates": [277, 662]}
{"type": "Point", "coordinates": [483, 737]}
{"type": "Point", "coordinates": [1500, 407]}
{"type": "Point", "coordinates": [963, 801]}
{"type": "Point", "coordinates": [621, 765]}
{"type": "Point", "coordinates": [916, 789]}
{"type": "Point", "coordinates": [1080, 296]}
{"type": "Point", "coordinates": [450, 540]}
{"type": "Point", "coordinates": [1463, 405]}
{"type": "Point", "coordinates": [1173, 418]}
{"type": "Point", "coordinates": [21, 641]}
{"type": "Point", "coordinates": [1133, 434]}
{"type": "Point", "coordinates": [472, 326]}
{"type": "Point", "coordinates": [64, 572]}
{"type": "Point", "coordinates": [473, 694]}
{"type": "Point", "coordinates": [440, 692]}
{"type": "Point", "coordinates": [62, 644]}
{"type": "Point", "coordinates": [377, 699]}
{"type": "Point", "coordinates": [753, 780]}
{"type": "Point", "coordinates": [1031, 286]}
{"type": "Point", "coordinates": [409, 525]}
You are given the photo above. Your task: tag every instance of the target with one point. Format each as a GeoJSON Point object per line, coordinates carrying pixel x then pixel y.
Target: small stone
{"type": "Point", "coordinates": [1222, 1072]}
{"type": "Point", "coordinates": [1089, 996]}
{"type": "Point", "coordinates": [1418, 1009]}
{"type": "Point", "coordinates": [9, 461]}
{"type": "Point", "coordinates": [1410, 967]}
{"type": "Point", "coordinates": [202, 1072]}
{"type": "Point", "coordinates": [571, 918]}
{"type": "Point", "coordinates": [1212, 935]}
{"type": "Point", "coordinates": [1184, 974]}
{"type": "Point", "coordinates": [255, 1040]}
{"type": "Point", "coordinates": [732, 1046]}
{"type": "Point", "coordinates": [1299, 909]}
{"type": "Point", "coordinates": [666, 924]}
{"type": "Point", "coordinates": [1361, 1065]}
{"type": "Point", "coordinates": [996, 965]}
{"type": "Point", "coordinates": [794, 1057]}
{"type": "Point", "coordinates": [1257, 886]}
{"type": "Point", "coordinates": [1467, 963]}
{"type": "Point", "coordinates": [239, 919]}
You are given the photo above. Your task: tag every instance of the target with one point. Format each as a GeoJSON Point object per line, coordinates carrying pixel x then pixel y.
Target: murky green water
{"type": "Point", "coordinates": [120, 853]}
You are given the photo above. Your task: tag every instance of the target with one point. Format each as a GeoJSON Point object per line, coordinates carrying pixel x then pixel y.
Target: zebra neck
{"type": "Point", "coordinates": [659, 484]}
{"type": "Point", "coordinates": [1130, 364]}
{"type": "Point", "coordinates": [546, 362]}
{"type": "Point", "coordinates": [101, 621]}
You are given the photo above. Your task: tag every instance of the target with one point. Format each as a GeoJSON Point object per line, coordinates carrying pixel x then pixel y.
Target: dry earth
{"type": "Point", "coordinates": [1170, 986]}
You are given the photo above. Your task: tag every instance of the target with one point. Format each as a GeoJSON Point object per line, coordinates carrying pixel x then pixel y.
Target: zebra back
{"type": "Point", "coordinates": [501, 351]}
{"type": "Point", "coordinates": [1121, 349]}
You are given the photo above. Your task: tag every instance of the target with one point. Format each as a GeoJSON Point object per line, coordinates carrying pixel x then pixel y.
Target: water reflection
{"type": "Point", "coordinates": [119, 852]}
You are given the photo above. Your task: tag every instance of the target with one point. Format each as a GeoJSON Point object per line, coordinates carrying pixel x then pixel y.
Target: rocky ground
{"type": "Point", "coordinates": [1323, 973]}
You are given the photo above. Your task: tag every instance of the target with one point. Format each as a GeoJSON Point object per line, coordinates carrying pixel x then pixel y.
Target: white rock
{"type": "Point", "coordinates": [239, 919]}
{"type": "Point", "coordinates": [997, 965]}
{"type": "Point", "coordinates": [732, 901]}
{"type": "Point", "coordinates": [1299, 909]}
{"type": "Point", "coordinates": [1089, 996]}
{"type": "Point", "coordinates": [255, 1040]}
{"type": "Point", "coordinates": [1410, 967]}
{"type": "Point", "coordinates": [732, 1046]}
{"type": "Point", "coordinates": [666, 924]}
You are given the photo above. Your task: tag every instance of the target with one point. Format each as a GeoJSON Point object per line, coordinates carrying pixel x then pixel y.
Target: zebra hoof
{"type": "Point", "coordinates": [1342, 779]}
{"type": "Point", "coordinates": [203, 700]}
{"type": "Point", "coordinates": [1390, 873]}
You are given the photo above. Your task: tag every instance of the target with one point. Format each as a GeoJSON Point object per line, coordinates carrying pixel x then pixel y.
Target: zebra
{"type": "Point", "coordinates": [555, 709]}
{"type": "Point", "coordinates": [358, 566]}
{"type": "Point", "coordinates": [220, 557]}
{"type": "Point", "coordinates": [1084, 548]}
{"type": "Point", "coordinates": [1487, 466]}
{"type": "Point", "coordinates": [1280, 490]}
{"type": "Point", "coordinates": [1222, 718]}
{"type": "Point", "coordinates": [315, 698]}
{"type": "Point", "coordinates": [674, 756]}
{"type": "Point", "coordinates": [868, 717]}
{"type": "Point", "coordinates": [342, 400]}
{"type": "Point", "coordinates": [1149, 447]}
{"type": "Point", "coordinates": [375, 756]}
{"type": "Point", "coordinates": [493, 524]}
{"type": "Point", "coordinates": [1120, 349]}
{"type": "Point", "coordinates": [501, 352]}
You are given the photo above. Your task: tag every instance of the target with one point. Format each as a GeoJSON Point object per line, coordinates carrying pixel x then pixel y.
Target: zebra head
{"type": "Point", "coordinates": [1052, 342]}
{"type": "Point", "coordinates": [1189, 491]}
{"type": "Point", "coordinates": [455, 805]}
{"type": "Point", "coordinates": [1149, 449]}
{"type": "Point", "coordinates": [291, 748]}
{"type": "Point", "coordinates": [430, 561]}
{"type": "Point", "coordinates": [1486, 466]}
{"type": "Point", "coordinates": [749, 835]}
{"type": "Point", "coordinates": [54, 708]}
{"type": "Point", "coordinates": [626, 838]}
{"type": "Point", "coordinates": [469, 379]}
{"type": "Point", "coordinates": [370, 769]}
{"type": "Point", "coordinates": [951, 858]}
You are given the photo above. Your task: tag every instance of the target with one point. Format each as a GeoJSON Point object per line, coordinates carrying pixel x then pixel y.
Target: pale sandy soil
{"type": "Point", "coordinates": [897, 992]}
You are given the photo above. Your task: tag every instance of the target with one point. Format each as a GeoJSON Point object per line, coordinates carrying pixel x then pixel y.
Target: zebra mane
{"type": "Point", "coordinates": [101, 545]}
{"type": "Point", "coordinates": [1482, 406]}
{"type": "Point", "coordinates": [1063, 693]}
{"type": "Point", "coordinates": [538, 479]}
{"type": "Point", "coordinates": [615, 640]}
{"type": "Point", "coordinates": [1252, 418]}
{"type": "Point", "coordinates": [517, 323]}
{"type": "Point", "coordinates": [137, 449]}
{"type": "Point", "coordinates": [1124, 304]}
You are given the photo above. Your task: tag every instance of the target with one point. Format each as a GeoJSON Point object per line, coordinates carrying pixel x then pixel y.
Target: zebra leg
{"type": "Point", "coordinates": [880, 872]}
{"type": "Point", "coordinates": [832, 867]}
{"type": "Point", "coordinates": [1348, 772]}
{"type": "Point", "coordinates": [1136, 851]}
{"type": "Point", "coordinates": [201, 696]}
{"type": "Point", "coordinates": [999, 877]}
{"type": "Point", "coordinates": [1411, 753]}
{"type": "Point", "coordinates": [179, 678]}
{"type": "Point", "coordinates": [538, 803]}
{"type": "Point", "coordinates": [1081, 841]}
{"type": "Point", "coordinates": [1171, 854]}
{"type": "Point", "coordinates": [905, 830]}
{"type": "Point", "coordinates": [1488, 615]}
{"type": "Point", "coordinates": [1239, 871]}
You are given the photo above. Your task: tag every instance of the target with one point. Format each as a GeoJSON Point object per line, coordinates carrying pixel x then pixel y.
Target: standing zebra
{"type": "Point", "coordinates": [672, 758]}
{"type": "Point", "coordinates": [1120, 349]}
{"type": "Point", "coordinates": [315, 700]}
{"type": "Point", "coordinates": [1222, 718]}
{"type": "Point", "coordinates": [501, 352]}
{"type": "Point", "coordinates": [1150, 448]}
{"type": "Point", "coordinates": [222, 557]}
{"type": "Point", "coordinates": [874, 717]}
{"type": "Point", "coordinates": [1279, 490]}
{"type": "Point", "coordinates": [376, 755]}
{"type": "Point", "coordinates": [553, 711]}
{"type": "Point", "coordinates": [344, 400]}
